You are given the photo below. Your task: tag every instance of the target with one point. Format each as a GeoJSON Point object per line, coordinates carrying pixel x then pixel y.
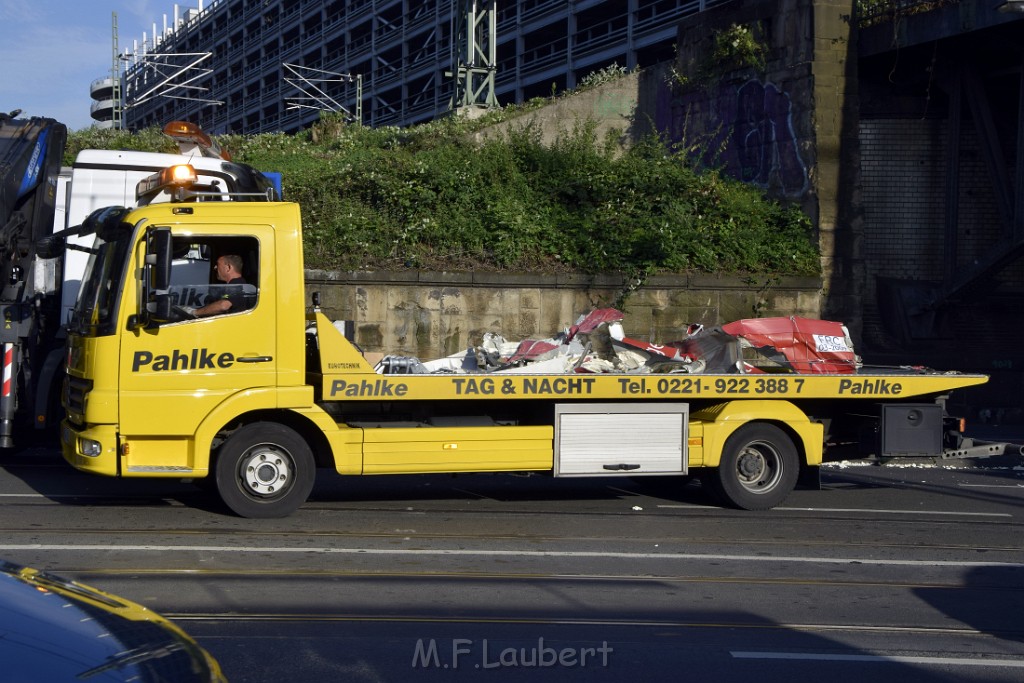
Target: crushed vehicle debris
{"type": "Point", "coordinates": [597, 343]}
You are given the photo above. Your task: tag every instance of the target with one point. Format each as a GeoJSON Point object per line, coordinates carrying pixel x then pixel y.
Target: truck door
{"type": "Point", "coordinates": [174, 375]}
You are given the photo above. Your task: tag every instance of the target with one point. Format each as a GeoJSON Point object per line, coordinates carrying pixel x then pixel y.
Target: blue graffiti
{"type": "Point", "coordinates": [749, 133]}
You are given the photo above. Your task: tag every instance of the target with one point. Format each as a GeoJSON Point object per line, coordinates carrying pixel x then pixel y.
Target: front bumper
{"type": "Point", "coordinates": [100, 439]}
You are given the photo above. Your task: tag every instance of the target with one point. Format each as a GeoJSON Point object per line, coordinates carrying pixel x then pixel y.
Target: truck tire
{"type": "Point", "coordinates": [758, 469]}
{"type": "Point", "coordinates": [265, 470]}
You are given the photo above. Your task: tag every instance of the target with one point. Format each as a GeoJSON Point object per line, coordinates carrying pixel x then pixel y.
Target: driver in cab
{"type": "Point", "coordinates": [229, 271]}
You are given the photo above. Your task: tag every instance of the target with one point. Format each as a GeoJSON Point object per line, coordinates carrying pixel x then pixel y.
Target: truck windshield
{"type": "Point", "coordinates": [95, 312]}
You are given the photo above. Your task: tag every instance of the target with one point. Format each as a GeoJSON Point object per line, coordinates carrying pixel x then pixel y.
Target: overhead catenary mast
{"type": "Point", "coordinates": [474, 54]}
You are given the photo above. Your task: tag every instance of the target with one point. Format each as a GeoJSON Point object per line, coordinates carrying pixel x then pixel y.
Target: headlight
{"type": "Point", "coordinates": [91, 448]}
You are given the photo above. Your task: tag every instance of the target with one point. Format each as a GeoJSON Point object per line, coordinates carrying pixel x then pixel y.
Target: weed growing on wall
{"type": "Point", "coordinates": [734, 48]}
{"type": "Point", "coordinates": [738, 47]}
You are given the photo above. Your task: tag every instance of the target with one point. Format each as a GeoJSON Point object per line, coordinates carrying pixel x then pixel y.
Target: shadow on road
{"type": "Point", "coordinates": [991, 600]}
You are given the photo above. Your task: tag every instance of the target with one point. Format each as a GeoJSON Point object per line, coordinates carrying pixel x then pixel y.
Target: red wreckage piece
{"type": "Point", "coordinates": [808, 346]}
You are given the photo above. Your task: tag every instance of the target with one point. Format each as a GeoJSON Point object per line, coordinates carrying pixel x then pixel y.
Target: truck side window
{"type": "Point", "coordinates": [215, 275]}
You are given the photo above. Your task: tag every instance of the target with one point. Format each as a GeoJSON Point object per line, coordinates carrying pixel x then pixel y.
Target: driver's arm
{"type": "Point", "coordinates": [213, 308]}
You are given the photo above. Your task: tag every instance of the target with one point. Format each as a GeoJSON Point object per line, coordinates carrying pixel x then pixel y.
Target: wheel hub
{"type": "Point", "coordinates": [266, 473]}
{"type": "Point", "coordinates": [751, 466]}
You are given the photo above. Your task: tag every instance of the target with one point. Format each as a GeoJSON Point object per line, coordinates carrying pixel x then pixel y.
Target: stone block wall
{"type": "Point", "coordinates": [789, 127]}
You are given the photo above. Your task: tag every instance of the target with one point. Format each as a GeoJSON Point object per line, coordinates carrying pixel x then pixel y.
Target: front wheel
{"type": "Point", "coordinates": [758, 469]}
{"type": "Point", "coordinates": [265, 470]}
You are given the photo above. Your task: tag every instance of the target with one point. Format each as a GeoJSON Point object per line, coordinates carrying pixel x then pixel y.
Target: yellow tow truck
{"type": "Point", "coordinates": [256, 399]}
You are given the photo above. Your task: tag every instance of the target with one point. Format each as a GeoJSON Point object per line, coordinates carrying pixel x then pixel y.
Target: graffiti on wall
{"type": "Point", "coordinates": [747, 130]}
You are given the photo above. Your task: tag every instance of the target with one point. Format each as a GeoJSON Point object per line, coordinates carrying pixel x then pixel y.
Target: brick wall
{"type": "Point", "coordinates": [903, 207]}
{"type": "Point", "coordinates": [904, 193]}
{"type": "Point", "coordinates": [903, 175]}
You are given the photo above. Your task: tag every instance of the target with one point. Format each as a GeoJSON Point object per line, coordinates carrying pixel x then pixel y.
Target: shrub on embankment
{"type": "Point", "coordinates": [430, 197]}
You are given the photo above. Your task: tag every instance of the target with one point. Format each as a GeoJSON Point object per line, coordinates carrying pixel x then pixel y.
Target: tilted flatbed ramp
{"type": "Point", "coordinates": [351, 386]}
{"type": "Point", "coordinates": [347, 376]}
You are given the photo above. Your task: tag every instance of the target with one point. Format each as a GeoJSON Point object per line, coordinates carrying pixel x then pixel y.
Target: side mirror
{"type": "Point", "coordinates": [159, 254]}
{"type": "Point", "coordinates": [160, 309]}
{"type": "Point", "coordinates": [155, 301]}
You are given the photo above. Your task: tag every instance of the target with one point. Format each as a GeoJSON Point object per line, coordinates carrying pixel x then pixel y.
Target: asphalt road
{"type": "Point", "coordinates": [883, 574]}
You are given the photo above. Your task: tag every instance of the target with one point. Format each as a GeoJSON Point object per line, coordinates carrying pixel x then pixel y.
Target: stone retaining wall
{"type": "Point", "coordinates": [430, 315]}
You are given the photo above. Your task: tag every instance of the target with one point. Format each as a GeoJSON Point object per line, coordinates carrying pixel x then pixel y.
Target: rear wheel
{"type": "Point", "coordinates": [265, 470]}
{"type": "Point", "coordinates": [758, 469]}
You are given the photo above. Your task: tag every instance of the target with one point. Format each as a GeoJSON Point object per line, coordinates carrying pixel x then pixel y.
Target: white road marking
{"type": "Point", "coordinates": [992, 486]}
{"type": "Point", "coordinates": [501, 553]}
{"type": "Point", "coordinates": [33, 495]}
{"type": "Point", "coordinates": [896, 659]}
{"type": "Point", "coordinates": [77, 496]}
{"type": "Point", "coordinates": [950, 513]}
{"type": "Point", "coordinates": [872, 510]}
